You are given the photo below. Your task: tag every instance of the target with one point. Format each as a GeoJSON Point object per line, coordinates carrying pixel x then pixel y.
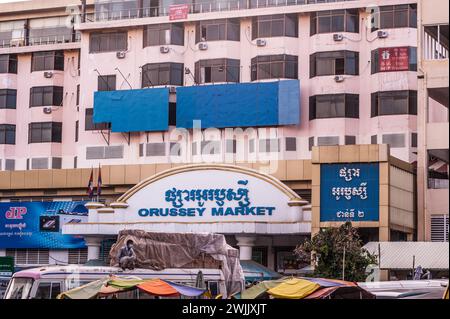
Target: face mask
{"type": "Point", "coordinates": [130, 246]}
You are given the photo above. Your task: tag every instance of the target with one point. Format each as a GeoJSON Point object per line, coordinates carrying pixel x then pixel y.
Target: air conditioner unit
{"type": "Point", "coordinates": [261, 42]}
{"type": "Point", "coordinates": [172, 89]}
{"type": "Point", "coordinates": [338, 37]}
{"type": "Point", "coordinates": [121, 55]}
{"type": "Point", "coordinates": [48, 75]}
{"type": "Point", "coordinates": [164, 50]}
{"type": "Point", "coordinates": [203, 46]}
{"type": "Point", "coordinates": [339, 78]}
{"type": "Point", "coordinates": [382, 34]}
{"type": "Point", "coordinates": [47, 110]}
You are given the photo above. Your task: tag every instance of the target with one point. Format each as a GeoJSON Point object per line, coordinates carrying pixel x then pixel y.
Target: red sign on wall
{"type": "Point", "coordinates": [178, 11]}
{"type": "Point", "coordinates": [394, 59]}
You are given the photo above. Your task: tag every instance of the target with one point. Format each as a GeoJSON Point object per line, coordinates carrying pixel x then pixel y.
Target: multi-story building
{"type": "Point", "coordinates": [143, 86]}
{"type": "Point", "coordinates": [433, 116]}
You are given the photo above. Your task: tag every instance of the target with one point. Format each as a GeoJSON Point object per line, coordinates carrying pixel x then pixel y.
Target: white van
{"type": "Point", "coordinates": [49, 281]}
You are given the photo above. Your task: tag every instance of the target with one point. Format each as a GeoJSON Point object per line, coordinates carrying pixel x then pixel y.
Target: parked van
{"type": "Point", "coordinates": [49, 281]}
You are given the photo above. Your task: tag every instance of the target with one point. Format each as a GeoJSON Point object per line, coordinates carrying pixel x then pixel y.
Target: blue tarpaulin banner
{"type": "Point", "coordinates": [39, 224]}
{"type": "Point", "coordinates": [145, 110]}
{"type": "Point", "coordinates": [349, 192]}
{"type": "Point", "coordinates": [239, 105]}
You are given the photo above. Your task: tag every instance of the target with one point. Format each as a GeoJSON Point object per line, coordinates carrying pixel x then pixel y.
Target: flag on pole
{"type": "Point", "coordinates": [90, 189]}
{"type": "Point", "coordinates": [99, 181]}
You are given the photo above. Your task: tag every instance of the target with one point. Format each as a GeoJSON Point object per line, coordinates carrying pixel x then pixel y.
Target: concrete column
{"type": "Point", "coordinates": [2, 252]}
{"type": "Point", "coordinates": [245, 244]}
{"type": "Point", "coordinates": [94, 245]}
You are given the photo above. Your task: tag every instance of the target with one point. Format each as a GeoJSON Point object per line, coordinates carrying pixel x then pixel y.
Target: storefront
{"type": "Point", "coordinates": [256, 212]}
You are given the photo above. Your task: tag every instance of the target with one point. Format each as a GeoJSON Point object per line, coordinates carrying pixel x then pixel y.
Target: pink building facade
{"type": "Point", "coordinates": [48, 123]}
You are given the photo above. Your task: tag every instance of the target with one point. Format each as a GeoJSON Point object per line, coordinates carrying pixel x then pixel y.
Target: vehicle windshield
{"type": "Point", "coordinates": [19, 288]}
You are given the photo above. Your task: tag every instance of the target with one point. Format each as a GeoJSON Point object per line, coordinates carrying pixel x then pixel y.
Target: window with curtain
{"type": "Point", "coordinates": [278, 25]}
{"type": "Point", "coordinates": [394, 103]}
{"type": "Point", "coordinates": [334, 21]}
{"type": "Point", "coordinates": [274, 67]}
{"type": "Point", "coordinates": [334, 106]}
{"type": "Point", "coordinates": [334, 63]}
{"type": "Point", "coordinates": [217, 70]}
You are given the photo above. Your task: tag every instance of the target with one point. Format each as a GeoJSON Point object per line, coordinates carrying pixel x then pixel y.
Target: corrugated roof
{"type": "Point", "coordinates": [400, 255]}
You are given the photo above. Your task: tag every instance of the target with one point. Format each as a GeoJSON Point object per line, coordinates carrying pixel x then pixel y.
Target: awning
{"type": "Point", "coordinates": [254, 271]}
{"type": "Point", "coordinates": [405, 255]}
{"type": "Point", "coordinates": [294, 289]}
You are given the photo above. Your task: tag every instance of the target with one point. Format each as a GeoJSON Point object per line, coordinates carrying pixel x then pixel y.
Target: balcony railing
{"type": "Point", "coordinates": [199, 7]}
{"type": "Point", "coordinates": [50, 39]}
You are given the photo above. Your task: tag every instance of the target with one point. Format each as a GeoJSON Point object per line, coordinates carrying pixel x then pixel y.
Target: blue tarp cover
{"type": "Point", "coordinates": [239, 105]}
{"type": "Point", "coordinates": [133, 110]}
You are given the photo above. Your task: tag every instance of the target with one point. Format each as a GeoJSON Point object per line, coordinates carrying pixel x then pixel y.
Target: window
{"type": "Point", "coordinates": [230, 146]}
{"type": "Point", "coordinates": [12, 33]}
{"type": "Point", "coordinates": [333, 106]}
{"type": "Point", "coordinates": [394, 140]}
{"type": "Point", "coordinates": [374, 139]}
{"type": "Point", "coordinates": [56, 162]}
{"type": "Point", "coordinates": [48, 290]}
{"type": "Point", "coordinates": [46, 96]}
{"type": "Point", "coordinates": [396, 63]}
{"type": "Point", "coordinates": [8, 63]}
{"type": "Point", "coordinates": [438, 168]}
{"type": "Point", "coordinates": [45, 132]}
{"type": "Point", "coordinates": [39, 163]}
{"type": "Point", "coordinates": [164, 34]}
{"type": "Point", "coordinates": [291, 144]}
{"type": "Point", "coordinates": [350, 140]}
{"type": "Point", "coordinates": [175, 149]}
{"type": "Point", "coordinates": [89, 124]}
{"type": "Point", "coordinates": [8, 99]}
{"type": "Point", "coordinates": [50, 30]}
{"type": "Point", "coordinates": [217, 70]}
{"type": "Point", "coordinates": [274, 67]}
{"type": "Point", "coordinates": [156, 149]}
{"type": "Point", "coordinates": [104, 152]}
{"type": "Point", "coordinates": [271, 145]}
{"type": "Point", "coordinates": [394, 103]}
{"type": "Point", "coordinates": [327, 140]}
{"type": "Point", "coordinates": [10, 165]}
{"type": "Point", "coordinates": [7, 134]}
{"type": "Point", "coordinates": [218, 30]}
{"type": "Point", "coordinates": [210, 147]}
{"type": "Point", "coordinates": [77, 130]}
{"type": "Point", "coordinates": [77, 256]}
{"type": "Point", "coordinates": [398, 16]}
{"type": "Point", "coordinates": [162, 74]}
{"type": "Point", "coordinates": [439, 228]}
{"type": "Point", "coordinates": [413, 139]}
{"type": "Point", "coordinates": [78, 96]}
{"type": "Point", "coordinates": [29, 256]}
{"type": "Point", "coordinates": [275, 26]}
{"type": "Point", "coordinates": [47, 61]}
{"type": "Point", "coordinates": [335, 21]}
{"type": "Point", "coordinates": [106, 83]}
{"type": "Point", "coordinates": [310, 143]}
{"type": "Point", "coordinates": [334, 63]}
{"type": "Point", "coordinates": [108, 42]}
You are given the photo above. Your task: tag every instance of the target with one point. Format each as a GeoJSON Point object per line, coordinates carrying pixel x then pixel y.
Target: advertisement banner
{"type": "Point", "coordinates": [394, 59]}
{"type": "Point", "coordinates": [39, 224]}
{"type": "Point", "coordinates": [178, 12]}
{"type": "Point", "coordinates": [349, 192]}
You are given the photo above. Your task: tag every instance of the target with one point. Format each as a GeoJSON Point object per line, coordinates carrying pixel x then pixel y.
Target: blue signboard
{"type": "Point", "coordinates": [349, 192]}
{"type": "Point", "coordinates": [39, 224]}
